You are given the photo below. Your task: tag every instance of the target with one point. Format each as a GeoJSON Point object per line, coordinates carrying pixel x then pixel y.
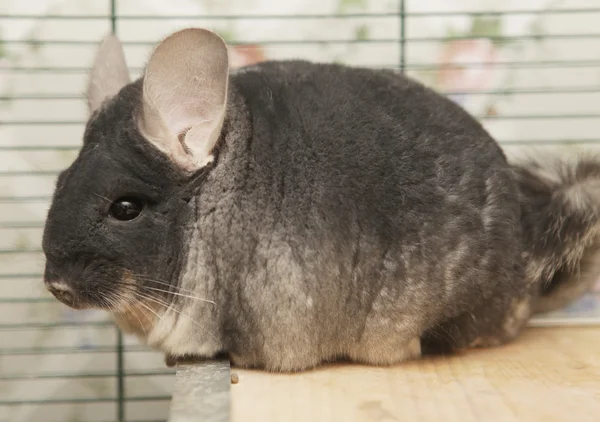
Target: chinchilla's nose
{"type": "Point", "coordinates": [62, 292]}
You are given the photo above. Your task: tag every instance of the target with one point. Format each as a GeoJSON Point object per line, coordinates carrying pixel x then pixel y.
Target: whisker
{"type": "Point", "coordinates": [102, 197]}
{"type": "Point", "coordinates": [154, 299]}
{"type": "Point", "coordinates": [140, 321]}
{"type": "Point", "coordinates": [132, 311]}
{"type": "Point", "coordinates": [182, 314]}
{"type": "Point", "coordinates": [102, 300]}
{"type": "Point", "coordinates": [149, 296]}
{"type": "Point", "coordinates": [178, 294]}
{"type": "Point", "coordinates": [135, 289]}
{"type": "Point", "coordinates": [151, 310]}
{"type": "Point", "coordinates": [110, 301]}
{"type": "Point", "coordinates": [164, 282]}
{"type": "Point", "coordinates": [113, 299]}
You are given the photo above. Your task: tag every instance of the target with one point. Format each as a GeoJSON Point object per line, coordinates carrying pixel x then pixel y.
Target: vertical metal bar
{"type": "Point", "coordinates": [120, 378]}
{"type": "Point", "coordinates": [402, 41]}
{"type": "Point", "coordinates": [120, 350]}
{"type": "Point", "coordinates": [113, 16]}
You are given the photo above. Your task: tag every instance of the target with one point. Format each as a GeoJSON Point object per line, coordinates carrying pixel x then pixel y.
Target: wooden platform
{"type": "Point", "coordinates": [549, 375]}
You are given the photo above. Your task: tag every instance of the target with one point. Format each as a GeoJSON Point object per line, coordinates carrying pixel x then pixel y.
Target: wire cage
{"type": "Point", "coordinates": [530, 71]}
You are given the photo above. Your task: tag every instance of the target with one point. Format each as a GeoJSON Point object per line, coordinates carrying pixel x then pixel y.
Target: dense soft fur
{"type": "Point", "coordinates": [348, 213]}
{"type": "Point", "coordinates": [560, 201]}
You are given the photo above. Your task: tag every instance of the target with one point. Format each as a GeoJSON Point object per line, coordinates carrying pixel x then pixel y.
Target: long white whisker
{"type": "Point", "coordinates": [132, 311]}
{"type": "Point", "coordinates": [134, 287]}
{"type": "Point", "coordinates": [109, 300]}
{"type": "Point", "coordinates": [163, 282]}
{"type": "Point", "coordinates": [112, 299]}
{"type": "Point", "coordinates": [178, 312]}
{"type": "Point", "coordinates": [138, 318]}
{"type": "Point", "coordinates": [151, 310]}
{"type": "Point", "coordinates": [154, 299]}
{"type": "Point", "coordinates": [178, 294]}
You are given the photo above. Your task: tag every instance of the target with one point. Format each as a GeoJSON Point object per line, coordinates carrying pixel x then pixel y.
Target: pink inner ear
{"type": "Point", "coordinates": [185, 116]}
{"type": "Point", "coordinates": [185, 92]}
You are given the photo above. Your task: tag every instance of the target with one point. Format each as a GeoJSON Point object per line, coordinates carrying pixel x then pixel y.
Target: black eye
{"type": "Point", "coordinates": [126, 209]}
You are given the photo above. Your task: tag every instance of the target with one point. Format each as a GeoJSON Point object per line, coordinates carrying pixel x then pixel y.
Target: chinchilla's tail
{"type": "Point", "coordinates": [560, 203]}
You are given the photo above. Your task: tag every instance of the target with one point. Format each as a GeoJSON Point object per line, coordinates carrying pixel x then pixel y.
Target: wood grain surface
{"type": "Point", "coordinates": [549, 374]}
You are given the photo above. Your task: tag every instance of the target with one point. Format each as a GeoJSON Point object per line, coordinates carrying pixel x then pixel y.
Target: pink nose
{"type": "Point", "coordinates": [62, 292]}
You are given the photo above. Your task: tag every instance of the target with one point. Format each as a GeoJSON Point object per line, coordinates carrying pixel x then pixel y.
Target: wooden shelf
{"type": "Point", "coordinates": [548, 375]}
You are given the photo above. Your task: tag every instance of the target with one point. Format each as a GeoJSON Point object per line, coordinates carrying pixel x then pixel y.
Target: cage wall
{"type": "Point", "coordinates": [530, 71]}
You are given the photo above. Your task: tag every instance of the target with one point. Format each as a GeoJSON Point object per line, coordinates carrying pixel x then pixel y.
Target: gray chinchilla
{"type": "Point", "coordinates": [290, 213]}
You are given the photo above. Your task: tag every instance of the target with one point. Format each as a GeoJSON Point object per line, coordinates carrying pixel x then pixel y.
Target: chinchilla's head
{"type": "Point", "coordinates": [115, 230]}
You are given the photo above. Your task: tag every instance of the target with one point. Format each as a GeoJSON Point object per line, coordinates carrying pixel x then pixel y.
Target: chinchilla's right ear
{"type": "Point", "coordinates": [109, 73]}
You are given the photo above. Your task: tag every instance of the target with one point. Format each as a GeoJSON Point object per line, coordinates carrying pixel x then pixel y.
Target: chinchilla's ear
{"type": "Point", "coordinates": [185, 95]}
{"type": "Point", "coordinates": [109, 73]}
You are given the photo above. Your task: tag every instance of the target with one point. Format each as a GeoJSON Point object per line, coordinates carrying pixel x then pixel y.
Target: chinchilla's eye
{"type": "Point", "coordinates": [126, 208]}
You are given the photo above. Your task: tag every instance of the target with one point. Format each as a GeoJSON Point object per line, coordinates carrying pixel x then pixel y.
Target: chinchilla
{"type": "Point", "coordinates": [292, 213]}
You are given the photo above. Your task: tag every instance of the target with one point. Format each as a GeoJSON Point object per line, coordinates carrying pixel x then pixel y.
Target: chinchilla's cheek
{"type": "Point", "coordinates": [137, 318]}
{"type": "Point", "coordinates": [138, 305]}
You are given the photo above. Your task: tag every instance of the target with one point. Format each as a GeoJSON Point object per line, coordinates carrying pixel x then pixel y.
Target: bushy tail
{"type": "Point", "coordinates": [560, 202]}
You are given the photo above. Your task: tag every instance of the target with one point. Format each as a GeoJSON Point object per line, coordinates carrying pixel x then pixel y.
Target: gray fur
{"type": "Point", "coordinates": [348, 213]}
{"type": "Point", "coordinates": [561, 212]}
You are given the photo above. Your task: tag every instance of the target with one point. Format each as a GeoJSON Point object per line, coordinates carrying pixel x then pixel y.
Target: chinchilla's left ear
{"type": "Point", "coordinates": [185, 96]}
{"type": "Point", "coordinates": [109, 73]}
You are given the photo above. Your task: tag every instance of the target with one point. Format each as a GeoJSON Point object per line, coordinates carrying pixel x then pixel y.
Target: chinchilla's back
{"type": "Point", "coordinates": [353, 205]}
